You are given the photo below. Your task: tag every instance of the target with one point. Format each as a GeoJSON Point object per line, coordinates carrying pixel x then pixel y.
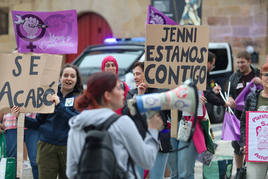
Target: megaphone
{"type": "Point", "coordinates": [183, 98]}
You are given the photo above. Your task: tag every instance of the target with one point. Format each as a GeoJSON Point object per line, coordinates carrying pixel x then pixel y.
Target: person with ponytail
{"type": "Point", "coordinates": [54, 128]}
{"type": "Point", "coordinates": [109, 63]}
{"type": "Point", "coordinates": [102, 97]}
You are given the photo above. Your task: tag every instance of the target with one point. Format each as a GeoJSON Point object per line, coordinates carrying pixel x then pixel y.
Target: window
{"type": "Point", "coordinates": [3, 20]}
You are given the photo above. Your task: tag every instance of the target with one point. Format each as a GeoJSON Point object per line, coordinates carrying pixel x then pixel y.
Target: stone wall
{"type": "Point", "coordinates": [125, 17]}
{"type": "Point", "coordinates": [239, 22]}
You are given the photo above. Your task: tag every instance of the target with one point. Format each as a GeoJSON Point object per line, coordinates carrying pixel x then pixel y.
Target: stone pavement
{"type": "Point", "coordinates": [224, 148]}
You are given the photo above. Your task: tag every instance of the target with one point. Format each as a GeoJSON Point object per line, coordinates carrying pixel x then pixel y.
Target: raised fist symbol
{"type": "Point", "coordinates": [156, 18]}
{"type": "Point", "coordinates": [31, 27]}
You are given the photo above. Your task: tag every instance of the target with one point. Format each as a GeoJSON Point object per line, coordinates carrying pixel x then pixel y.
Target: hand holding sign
{"type": "Point", "coordinates": [27, 80]}
{"type": "Point", "coordinates": [53, 98]}
{"type": "Point", "coordinates": [142, 88]}
{"type": "Point", "coordinates": [15, 110]}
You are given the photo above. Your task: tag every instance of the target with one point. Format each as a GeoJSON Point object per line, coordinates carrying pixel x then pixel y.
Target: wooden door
{"type": "Point", "coordinates": [92, 30]}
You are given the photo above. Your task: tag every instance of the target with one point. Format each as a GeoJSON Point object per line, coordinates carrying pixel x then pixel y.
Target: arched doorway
{"type": "Point", "coordinates": [92, 29]}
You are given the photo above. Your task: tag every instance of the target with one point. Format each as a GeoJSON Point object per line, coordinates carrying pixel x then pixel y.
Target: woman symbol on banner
{"type": "Point", "coordinates": [30, 28]}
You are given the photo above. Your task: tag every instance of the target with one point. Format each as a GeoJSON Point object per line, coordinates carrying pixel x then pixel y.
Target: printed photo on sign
{"type": "Point", "coordinates": [46, 32]}
{"type": "Point", "coordinates": [189, 12]}
{"type": "Point", "coordinates": [257, 136]}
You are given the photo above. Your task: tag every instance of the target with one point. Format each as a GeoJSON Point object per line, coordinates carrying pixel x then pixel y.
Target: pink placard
{"type": "Point", "coordinates": [257, 136]}
{"type": "Point", "coordinates": [46, 32]}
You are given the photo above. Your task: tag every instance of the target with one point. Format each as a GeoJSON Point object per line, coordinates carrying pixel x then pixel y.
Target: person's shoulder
{"type": "Point", "coordinates": [235, 75]}
{"type": "Point", "coordinates": [124, 121]}
{"type": "Point", "coordinates": [124, 117]}
{"type": "Point", "coordinates": [255, 70]}
{"type": "Point", "coordinates": [237, 72]}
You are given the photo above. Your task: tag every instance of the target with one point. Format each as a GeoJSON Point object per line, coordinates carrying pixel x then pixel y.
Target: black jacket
{"type": "Point", "coordinates": [211, 97]}
{"type": "Point", "coordinates": [250, 105]}
{"type": "Point", "coordinates": [140, 120]}
{"type": "Point", "coordinates": [234, 79]}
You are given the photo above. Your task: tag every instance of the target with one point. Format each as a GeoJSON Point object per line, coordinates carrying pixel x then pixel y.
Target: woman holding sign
{"type": "Point", "coordinates": [141, 122]}
{"type": "Point", "coordinates": [54, 127]}
{"type": "Point", "coordinates": [31, 137]}
{"type": "Point", "coordinates": [256, 101]}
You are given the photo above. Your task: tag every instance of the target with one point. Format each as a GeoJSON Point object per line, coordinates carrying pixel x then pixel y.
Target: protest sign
{"type": "Point", "coordinates": [27, 80]}
{"type": "Point", "coordinates": [155, 16]}
{"type": "Point", "coordinates": [257, 136]}
{"type": "Point", "coordinates": [174, 54]}
{"type": "Point", "coordinates": [46, 32]}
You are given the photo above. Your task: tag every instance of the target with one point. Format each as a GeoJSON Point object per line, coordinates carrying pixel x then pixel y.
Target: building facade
{"type": "Point", "coordinates": [242, 23]}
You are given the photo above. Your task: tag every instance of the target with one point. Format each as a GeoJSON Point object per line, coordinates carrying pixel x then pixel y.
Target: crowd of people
{"type": "Point", "coordinates": [55, 141]}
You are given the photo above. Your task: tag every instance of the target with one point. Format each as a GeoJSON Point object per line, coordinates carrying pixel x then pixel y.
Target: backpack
{"type": "Point", "coordinates": [97, 159]}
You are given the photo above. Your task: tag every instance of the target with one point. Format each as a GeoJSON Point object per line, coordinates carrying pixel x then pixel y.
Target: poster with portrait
{"type": "Point", "coordinates": [257, 136]}
{"type": "Point", "coordinates": [189, 12]}
{"type": "Point", "coordinates": [46, 32]}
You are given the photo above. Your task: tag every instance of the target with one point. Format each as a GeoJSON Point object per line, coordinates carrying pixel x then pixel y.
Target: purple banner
{"type": "Point", "coordinates": [46, 32]}
{"type": "Point", "coordinates": [155, 16]}
{"type": "Point", "coordinates": [230, 127]}
{"type": "Point", "coordinates": [241, 98]}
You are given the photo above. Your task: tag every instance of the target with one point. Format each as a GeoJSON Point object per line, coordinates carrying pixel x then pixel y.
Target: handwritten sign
{"type": "Point", "coordinates": [257, 136]}
{"type": "Point", "coordinates": [27, 81]}
{"type": "Point", "coordinates": [175, 53]}
{"type": "Point", "coordinates": [46, 32]}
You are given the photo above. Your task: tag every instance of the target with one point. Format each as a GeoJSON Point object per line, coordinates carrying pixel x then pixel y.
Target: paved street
{"type": "Point", "coordinates": [224, 148]}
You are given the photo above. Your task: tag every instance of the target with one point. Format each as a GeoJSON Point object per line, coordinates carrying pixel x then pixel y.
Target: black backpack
{"type": "Point", "coordinates": [97, 159]}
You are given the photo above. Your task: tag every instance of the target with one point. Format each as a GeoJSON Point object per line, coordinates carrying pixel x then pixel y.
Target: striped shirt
{"type": "Point", "coordinates": [10, 121]}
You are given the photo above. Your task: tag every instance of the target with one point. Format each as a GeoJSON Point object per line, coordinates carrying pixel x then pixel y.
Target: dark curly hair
{"type": "Point", "coordinates": [78, 88]}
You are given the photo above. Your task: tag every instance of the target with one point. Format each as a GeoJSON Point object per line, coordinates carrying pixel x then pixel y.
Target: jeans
{"type": "Point", "coordinates": [158, 170]}
{"type": "Point", "coordinates": [182, 163]}
{"type": "Point", "coordinates": [31, 138]}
